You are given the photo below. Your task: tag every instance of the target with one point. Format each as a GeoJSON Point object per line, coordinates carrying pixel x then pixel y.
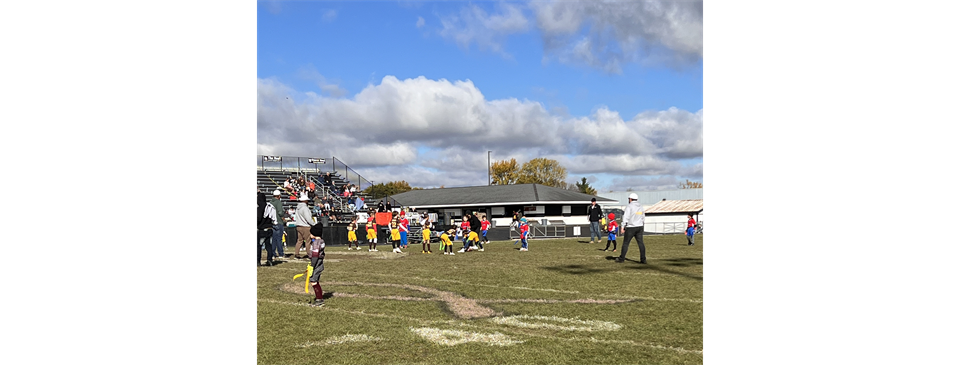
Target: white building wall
{"type": "Point", "coordinates": [669, 223]}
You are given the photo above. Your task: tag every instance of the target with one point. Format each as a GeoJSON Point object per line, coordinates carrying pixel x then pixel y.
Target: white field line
{"type": "Point", "coordinates": [340, 340]}
{"type": "Point", "coordinates": [456, 337]}
{"type": "Point", "coordinates": [362, 313]}
{"type": "Point", "coordinates": [463, 324]}
{"type": "Point", "coordinates": [618, 296]}
{"type": "Point", "coordinates": [526, 321]}
{"type": "Point", "coordinates": [475, 284]}
{"type": "Point", "coordinates": [591, 339]}
{"type": "Point", "coordinates": [541, 289]}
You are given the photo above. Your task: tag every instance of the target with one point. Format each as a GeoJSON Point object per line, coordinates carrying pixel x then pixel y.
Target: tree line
{"type": "Point", "coordinates": [543, 171]}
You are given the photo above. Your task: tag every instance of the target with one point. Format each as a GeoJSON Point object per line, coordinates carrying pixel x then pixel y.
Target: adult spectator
{"type": "Point", "coordinates": [595, 213]}
{"type": "Point", "coordinates": [277, 238]}
{"type": "Point", "coordinates": [304, 221]}
{"type": "Point", "coordinates": [380, 207]}
{"type": "Point", "coordinates": [474, 222]}
{"type": "Point", "coordinates": [389, 206]}
{"type": "Point", "coordinates": [327, 179]}
{"type": "Point", "coordinates": [325, 219]}
{"type": "Point", "coordinates": [633, 228]}
{"type": "Point", "coordinates": [265, 232]}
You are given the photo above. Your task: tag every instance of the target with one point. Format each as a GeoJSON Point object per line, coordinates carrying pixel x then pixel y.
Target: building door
{"type": "Point", "coordinates": [450, 214]}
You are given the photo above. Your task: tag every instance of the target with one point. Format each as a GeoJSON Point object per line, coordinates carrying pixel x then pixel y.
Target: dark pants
{"type": "Point", "coordinates": [277, 240]}
{"type": "Point", "coordinates": [595, 230]}
{"type": "Point", "coordinates": [631, 233]}
{"type": "Point", "coordinates": [263, 242]}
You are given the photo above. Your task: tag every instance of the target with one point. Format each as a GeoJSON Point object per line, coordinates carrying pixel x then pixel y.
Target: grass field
{"type": "Point", "coordinates": [563, 302]}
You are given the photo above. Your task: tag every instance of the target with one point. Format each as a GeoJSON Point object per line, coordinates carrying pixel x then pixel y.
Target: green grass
{"type": "Point", "coordinates": [658, 319]}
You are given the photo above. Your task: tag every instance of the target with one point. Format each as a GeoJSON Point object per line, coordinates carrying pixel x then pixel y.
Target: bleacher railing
{"type": "Point", "coordinates": [312, 165]}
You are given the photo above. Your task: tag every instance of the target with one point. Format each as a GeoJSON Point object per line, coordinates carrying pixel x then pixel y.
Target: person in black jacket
{"type": "Point", "coordinates": [266, 220]}
{"type": "Point", "coordinates": [475, 223]}
{"type": "Point", "coordinates": [595, 212]}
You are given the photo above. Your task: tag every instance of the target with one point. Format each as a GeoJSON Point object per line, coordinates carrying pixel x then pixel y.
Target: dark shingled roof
{"type": "Point", "coordinates": [494, 195]}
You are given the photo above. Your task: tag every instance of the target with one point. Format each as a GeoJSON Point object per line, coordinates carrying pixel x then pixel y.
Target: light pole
{"type": "Point", "coordinates": [489, 180]}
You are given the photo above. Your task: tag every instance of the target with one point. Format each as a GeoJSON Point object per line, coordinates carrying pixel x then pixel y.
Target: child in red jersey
{"type": "Point", "coordinates": [524, 232]}
{"type": "Point", "coordinates": [484, 226]}
{"type": "Point", "coordinates": [691, 229]}
{"type": "Point", "coordinates": [612, 230]}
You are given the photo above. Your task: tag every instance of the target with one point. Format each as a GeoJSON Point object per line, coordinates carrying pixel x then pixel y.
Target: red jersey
{"type": "Point", "coordinates": [524, 228]}
{"type": "Point", "coordinates": [484, 225]}
{"type": "Point", "coordinates": [404, 224]}
{"type": "Point", "coordinates": [612, 227]}
{"type": "Point", "coordinates": [465, 225]}
{"type": "Point", "coordinates": [691, 223]}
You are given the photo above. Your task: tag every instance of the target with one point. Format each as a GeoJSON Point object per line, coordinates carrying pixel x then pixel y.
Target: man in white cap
{"type": "Point", "coordinates": [304, 221]}
{"type": "Point", "coordinates": [633, 228]}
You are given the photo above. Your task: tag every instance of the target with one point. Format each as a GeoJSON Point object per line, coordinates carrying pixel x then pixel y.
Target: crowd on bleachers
{"type": "Point", "coordinates": [327, 201]}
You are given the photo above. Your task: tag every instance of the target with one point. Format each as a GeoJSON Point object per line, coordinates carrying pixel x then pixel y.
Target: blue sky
{"type": "Point", "coordinates": [419, 91]}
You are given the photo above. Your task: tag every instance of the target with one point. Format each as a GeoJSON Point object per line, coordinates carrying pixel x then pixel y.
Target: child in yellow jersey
{"type": "Point", "coordinates": [425, 245]}
{"type": "Point", "coordinates": [371, 235]}
{"type": "Point", "coordinates": [473, 241]}
{"type": "Point", "coordinates": [446, 245]}
{"type": "Point", "coordinates": [352, 235]}
{"type": "Point", "coordinates": [395, 233]}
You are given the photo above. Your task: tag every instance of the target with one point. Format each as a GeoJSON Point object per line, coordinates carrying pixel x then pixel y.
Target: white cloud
{"type": "Point", "coordinates": [420, 22]}
{"type": "Point", "coordinates": [273, 6]}
{"type": "Point", "coordinates": [380, 129]}
{"type": "Point", "coordinates": [329, 15]}
{"type": "Point", "coordinates": [487, 31]}
{"type": "Point", "coordinates": [308, 72]}
{"type": "Point", "coordinates": [604, 34]}
{"type": "Point", "coordinates": [641, 183]}
{"type": "Point", "coordinates": [608, 34]}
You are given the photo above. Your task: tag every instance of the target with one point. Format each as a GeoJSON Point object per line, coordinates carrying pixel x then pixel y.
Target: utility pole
{"type": "Point", "coordinates": [489, 180]}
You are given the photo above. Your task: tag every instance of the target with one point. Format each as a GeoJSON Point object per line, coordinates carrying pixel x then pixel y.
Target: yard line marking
{"type": "Point", "coordinates": [463, 324]}
{"type": "Point", "coordinates": [456, 337]}
{"type": "Point", "coordinates": [362, 313]}
{"type": "Point", "coordinates": [475, 284]}
{"type": "Point", "coordinates": [341, 339]}
{"type": "Point", "coordinates": [553, 301]}
{"type": "Point", "coordinates": [581, 325]}
{"type": "Point", "coordinates": [591, 339]}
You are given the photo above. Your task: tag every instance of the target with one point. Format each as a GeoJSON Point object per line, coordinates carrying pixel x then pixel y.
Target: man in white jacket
{"type": "Point", "coordinates": [633, 228]}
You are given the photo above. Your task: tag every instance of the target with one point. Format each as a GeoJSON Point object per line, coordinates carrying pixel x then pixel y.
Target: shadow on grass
{"type": "Point", "coordinates": [630, 264]}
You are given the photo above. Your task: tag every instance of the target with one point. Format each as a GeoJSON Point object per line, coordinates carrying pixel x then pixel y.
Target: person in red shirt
{"type": "Point", "coordinates": [612, 230]}
{"type": "Point", "coordinates": [465, 228]}
{"type": "Point", "coordinates": [524, 232]}
{"type": "Point", "coordinates": [691, 229]}
{"type": "Point", "coordinates": [484, 226]}
{"type": "Point", "coordinates": [404, 229]}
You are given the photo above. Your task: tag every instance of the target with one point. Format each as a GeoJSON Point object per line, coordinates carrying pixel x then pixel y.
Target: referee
{"type": "Point", "coordinates": [633, 228]}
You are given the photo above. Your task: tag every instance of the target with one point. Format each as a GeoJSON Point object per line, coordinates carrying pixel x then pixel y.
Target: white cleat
{"type": "Point", "coordinates": [461, 251]}
{"type": "Point", "coordinates": [451, 254]}
{"type": "Point", "coordinates": [481, 250]}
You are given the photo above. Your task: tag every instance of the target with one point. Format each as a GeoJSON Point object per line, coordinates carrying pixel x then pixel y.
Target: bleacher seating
{"type": "Point", "coordinates": [270, 180]}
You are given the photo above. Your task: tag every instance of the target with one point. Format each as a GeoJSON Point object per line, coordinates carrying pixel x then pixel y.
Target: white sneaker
{"type": "Point", "coordinates": [451, 254]}
{"type": "Point", "coordinates": [461, 251]}
{"type": "Point", "coordinates": [522, 249]}
{"type": "Point", "coordinates": [370, 250]}
{"type": "Point", "coordinates": [376, 250]}
{"type": "Point", "coordinates": [481, 250]}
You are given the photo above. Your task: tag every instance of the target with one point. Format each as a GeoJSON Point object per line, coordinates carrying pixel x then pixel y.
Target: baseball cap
{"type": "Point", "coordinates": [634, 196]}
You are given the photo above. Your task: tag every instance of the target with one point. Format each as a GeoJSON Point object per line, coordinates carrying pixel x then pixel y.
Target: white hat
{"type": "Point", "coordinates": [304, 197]}
{"type": "Point", "coordinates": [634, 196]}
{"type": "Point", "coordinates": [276, 192]}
